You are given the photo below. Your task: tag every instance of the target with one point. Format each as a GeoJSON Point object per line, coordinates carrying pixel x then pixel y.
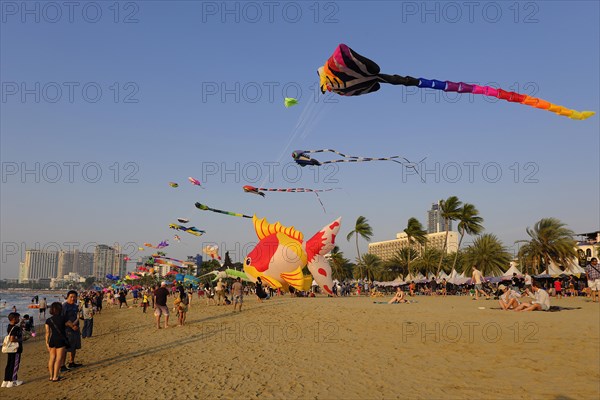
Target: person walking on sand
{"type": "Point", "coordinates": [13, 360]}
{"type": "Point", "coordinates": [220, 291]}
{"type": "Point", "coordinates": [477, 279]}
{"type": "Point", "coordinates": [237, 291]}
{"type": "Point", "coordinates": [160, 304]}
{"type": "Point", "coordinates": [43, 306]}
{"type": "Point", "coordinates": [592, 272]}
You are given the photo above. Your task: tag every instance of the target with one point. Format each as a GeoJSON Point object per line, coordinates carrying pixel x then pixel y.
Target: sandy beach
{"type": "Point", "coordinates": [325, 348]}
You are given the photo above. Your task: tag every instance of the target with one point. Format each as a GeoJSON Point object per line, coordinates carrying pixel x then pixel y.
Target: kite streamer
{"type": "Point", "coordinates": [260, 192]}
{"type": "Point", "coordinates": [207, 208]}
{"type": "Point", "coordinates": [347, 73]}
{"type": "Point", "coordinates": [303, 159]}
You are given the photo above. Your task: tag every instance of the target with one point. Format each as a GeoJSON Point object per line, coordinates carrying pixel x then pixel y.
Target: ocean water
{"type": "Point", "coordinates": [22, 299]}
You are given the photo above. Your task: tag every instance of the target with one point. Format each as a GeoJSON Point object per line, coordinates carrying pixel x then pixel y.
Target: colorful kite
{"type": "Point", "coordinates": [347, 73]}
{"type": "Point", "coordinates": [212, 251]}
{"type": "Point", "coordinates": [192, 229]}
{"type": "Point", "coordinates": [281, 254]}
{"type": "Point", "coordinates": [290, 101]}
{"type": "Point", "coordinates": [303, 159]}
{"type": "Point", "coordinates": [173, 184]}
{"type": "Point", "coordinates": [176, 237]}
{"type": "Point", "coordinates": [195, 182]}
{"type": "Point", "coordinates": [207, 208]}
{"type": "Point", "coordinates": [161, 245]}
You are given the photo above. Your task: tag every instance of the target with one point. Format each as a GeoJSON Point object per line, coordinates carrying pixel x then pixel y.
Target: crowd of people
{"type": "Point", "coordinates": [72, 320]}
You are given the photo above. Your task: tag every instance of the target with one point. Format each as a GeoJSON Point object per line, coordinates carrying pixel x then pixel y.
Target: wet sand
{"type": "Point", "coordinates": [324, 348]}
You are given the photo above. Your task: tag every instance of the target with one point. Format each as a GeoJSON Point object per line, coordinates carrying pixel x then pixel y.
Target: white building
{"type": "Point", "coordinates": [38, 264]}
{"type": "Point", "coordinates": [387, 249]}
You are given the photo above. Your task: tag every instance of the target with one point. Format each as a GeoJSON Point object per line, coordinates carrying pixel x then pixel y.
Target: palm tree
{"type": "Point", "coordinates": [399, 263]}
{"type": "Point", "coordinates": [415, 233]}
{"type": "Point", "coordinates": [469, 223]}
{"type": "Point", "coordinates": [427, 261]}
{"type": "Point", "coordinates": [550, 241]}
{"type": "Point", "coordinates": [370, 265]}
{"type": "Point", "coordinates": [450, 211]}
{"type": "Point", "coordinates": [488, 253]}
{"type": "Point", "coordinates": [339, 264]}
{"type": "Point", "coordinates": [362, 229]}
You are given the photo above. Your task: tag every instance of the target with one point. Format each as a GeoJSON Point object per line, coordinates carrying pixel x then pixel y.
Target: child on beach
{"type": "Point", "coordinates": [145, 302]}
{"type": "Point", "coordinates": [14, 359]}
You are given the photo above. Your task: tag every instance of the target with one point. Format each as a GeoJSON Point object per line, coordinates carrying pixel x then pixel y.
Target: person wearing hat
{"type": "Point", "coordinates": [509, 299]}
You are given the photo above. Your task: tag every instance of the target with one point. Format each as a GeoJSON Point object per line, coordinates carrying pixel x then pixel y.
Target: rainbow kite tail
{"type": "Point", "coordinates": [512, 97]}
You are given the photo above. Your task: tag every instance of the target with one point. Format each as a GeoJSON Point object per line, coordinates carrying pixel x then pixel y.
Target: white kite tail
{"type": "Point", "coordinates": [316, 247]}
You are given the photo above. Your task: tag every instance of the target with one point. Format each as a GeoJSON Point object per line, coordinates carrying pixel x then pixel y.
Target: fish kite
{"type": "Point", "coordinates": [281, 254]}
{"type": "Point", "coordinates": [347, 73]}
{"type": "Point", "coordinates": [303, 158]}
{"type": "Point", "coordinates": [192, 229]}
{"type": "Point", "coordinates": [212, 251]}
{"type": "Point", "coordinates": [195, 182]}
{"type": "Point", "coordinates": [207, 208]}
{"type": "Point", "coordinates": [290, 101]}
{"type": "Point", "coordinates": [173, 184]}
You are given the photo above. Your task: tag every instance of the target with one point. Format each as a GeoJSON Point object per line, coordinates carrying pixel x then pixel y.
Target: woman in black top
{"type": "Point", "coordinates": [260, 292]}
{"type": "Point", "coordinates": [56, 340]}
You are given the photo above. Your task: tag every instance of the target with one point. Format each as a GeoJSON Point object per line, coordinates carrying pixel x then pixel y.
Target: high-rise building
{"type": "Point", "coordinates": [75, 261]}
{"type": "Point", "coordinates": [435, 222]}
{"type": "Point", "coordinates": [39, 264]}
{"type": "Point", "coordinates": [108, 260]}
{"type": "Point", "coordinates": [104, 260]}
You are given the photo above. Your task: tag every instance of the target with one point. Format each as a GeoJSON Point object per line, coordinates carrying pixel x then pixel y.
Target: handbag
{"type": "Point", "coordinates": [67, 343]}
{"type": "Point", "coordinates": [8, 346]}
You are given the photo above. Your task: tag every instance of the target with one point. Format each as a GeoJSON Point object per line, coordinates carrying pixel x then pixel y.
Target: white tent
{"type": "Point", "coordinates": [511, 270]}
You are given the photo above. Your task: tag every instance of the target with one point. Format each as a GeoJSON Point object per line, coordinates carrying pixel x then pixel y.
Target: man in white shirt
{"type": "Point", "coordinates": [541, 300]}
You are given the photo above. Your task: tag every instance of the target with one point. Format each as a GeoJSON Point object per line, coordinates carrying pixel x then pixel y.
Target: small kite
{"type": "Point", "coordinates": [183, 220]}
{"type": "Point", "coordinates": [176, 237]}
{"type": "Point", "coordinates": [347, 73]}
{"type": "Point", "coordinates": [173, 184]}
{"type": "Point", "coordinates": [140, 248]}
{"type": "Point", "coordinates": [195, 182]}
{"type": "Point", "coordinates": [192, 229]}
{"type": "Point", "coordinates": [303, 158]}
{"type": "Point", "coordinates": [207, 208]}
{"type": "Point", "coordinates": [290, 101]}
{"type": "Point", "coordinates": [161, 245]}
{"type": "Point", "coordinates": [212, 251]}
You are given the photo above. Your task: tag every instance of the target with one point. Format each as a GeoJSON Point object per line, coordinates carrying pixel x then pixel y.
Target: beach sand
{"type": "Point", "coordinates": [331, 348]}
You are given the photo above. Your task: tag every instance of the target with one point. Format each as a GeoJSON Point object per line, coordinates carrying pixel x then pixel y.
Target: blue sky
{"type": "Point", "coordinates": [186, 88]}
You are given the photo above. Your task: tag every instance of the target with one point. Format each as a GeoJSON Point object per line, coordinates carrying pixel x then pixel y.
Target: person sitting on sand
{"type": "Point", "coordinates": [541, 299]}
{"type": "Point", "coordinates": [509, 299]}
{"type": "Point", "coordinates": [399, 297]}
